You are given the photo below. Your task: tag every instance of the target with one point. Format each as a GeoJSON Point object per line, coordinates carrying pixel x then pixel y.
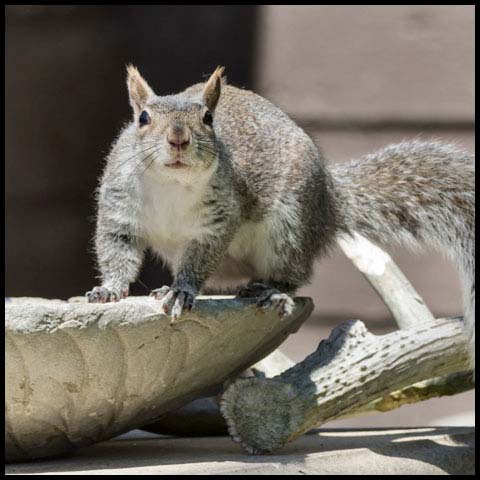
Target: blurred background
{"type": "Point", "coordinates": [355, 77]}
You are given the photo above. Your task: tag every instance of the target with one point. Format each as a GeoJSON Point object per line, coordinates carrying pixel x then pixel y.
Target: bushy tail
{"type": "Point", "coordinates": [416, 193]}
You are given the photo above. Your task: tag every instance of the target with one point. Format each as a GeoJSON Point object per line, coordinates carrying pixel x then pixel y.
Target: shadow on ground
{"type": "Point", "coordinates": [417, 450]}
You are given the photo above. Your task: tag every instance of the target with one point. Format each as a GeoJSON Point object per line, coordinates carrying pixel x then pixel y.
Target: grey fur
{"type": "Point", "coordinates": [416, 193]}
{"type": "Point", "coordinates": [257, 202]}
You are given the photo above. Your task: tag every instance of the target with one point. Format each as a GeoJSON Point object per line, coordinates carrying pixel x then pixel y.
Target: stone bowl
{"type": "Point", "coordinates": [79, 373]}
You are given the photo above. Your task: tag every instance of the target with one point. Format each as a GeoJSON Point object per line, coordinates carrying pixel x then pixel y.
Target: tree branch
{"type": "Point", "coordinates": [445, 385]}
{"type": "Point", "coordinates": [346, 373]}
{"type": "Point", "coordinates": [406, 305]}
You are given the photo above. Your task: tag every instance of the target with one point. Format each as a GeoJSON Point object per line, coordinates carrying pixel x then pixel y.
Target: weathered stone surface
{"type": "Point", "coordinates": [202, 417]}
{"type": "Point", "coordinates": [79, 373]}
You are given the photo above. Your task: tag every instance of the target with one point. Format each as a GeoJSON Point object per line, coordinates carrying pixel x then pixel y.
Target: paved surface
{"type": "Point", "coordinates": [405, 451]}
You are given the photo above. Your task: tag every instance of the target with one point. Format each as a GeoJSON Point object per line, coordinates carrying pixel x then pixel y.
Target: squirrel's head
{"type": "Point", "coordinates": [175, 132]}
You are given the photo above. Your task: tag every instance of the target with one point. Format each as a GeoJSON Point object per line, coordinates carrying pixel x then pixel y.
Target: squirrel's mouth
{"type": "Point", "coordinates": [176, 164]}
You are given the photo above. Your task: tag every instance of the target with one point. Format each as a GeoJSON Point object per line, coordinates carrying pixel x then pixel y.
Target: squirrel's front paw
{"type": "Point", "coordinates": [174, 299]}
{"type": "Point", "coordinates": [281, 302]}
{"type": "Point", "coordinates": [104, 294]}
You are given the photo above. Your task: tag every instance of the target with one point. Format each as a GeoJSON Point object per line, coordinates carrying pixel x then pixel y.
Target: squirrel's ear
{"type": "Point", "coordinates": [138, 89]}
{"type": "Point", "coordinates": [213, 88]}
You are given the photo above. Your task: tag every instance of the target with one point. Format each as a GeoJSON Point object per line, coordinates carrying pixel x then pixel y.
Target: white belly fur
{"type": "Point", "coordinates": [171, 217]}
{"type": "Point", "coordinates": [249, 255]}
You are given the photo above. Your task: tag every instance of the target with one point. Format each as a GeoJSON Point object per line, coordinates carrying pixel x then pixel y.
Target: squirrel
{"type": "Point", "coordinates": [226, 188]}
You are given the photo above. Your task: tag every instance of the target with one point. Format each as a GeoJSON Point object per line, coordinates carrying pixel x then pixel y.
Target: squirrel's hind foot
{"type": "Point", "coordinates": [268, 298]}
{"type": "Point", "coordinates": [281, 302]}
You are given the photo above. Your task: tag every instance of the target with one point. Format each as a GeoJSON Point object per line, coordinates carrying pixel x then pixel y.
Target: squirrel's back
{"type": "Point", "coordinates": [268, 150]}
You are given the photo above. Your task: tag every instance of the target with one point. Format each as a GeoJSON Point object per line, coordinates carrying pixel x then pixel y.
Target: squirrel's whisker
{"type": "Point", "coordinates": [136, 155]}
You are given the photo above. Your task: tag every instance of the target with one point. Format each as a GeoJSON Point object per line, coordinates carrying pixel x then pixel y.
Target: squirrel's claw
{"type": "Point", "coordinates": [104, 295]}
{"type": "Point", "coordinates": [281, 302]}
{"type": "Point", "coordinates": [174, 300]}
{"type": "Point", "coordinates": [159, 293]}
{"type": "Point", "coordinates": [178, 305]}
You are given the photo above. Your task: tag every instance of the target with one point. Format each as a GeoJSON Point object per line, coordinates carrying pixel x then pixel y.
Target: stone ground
{"type": "Point", "coordinates": [429, 450]}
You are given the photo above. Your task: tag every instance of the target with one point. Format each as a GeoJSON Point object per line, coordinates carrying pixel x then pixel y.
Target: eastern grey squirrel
{"type": "Point", "coordinates": [226, 188]}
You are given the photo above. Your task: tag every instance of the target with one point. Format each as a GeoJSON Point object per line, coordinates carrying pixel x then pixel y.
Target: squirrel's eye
{"type": "Point", "coordinates": [207, 118]}
{"type": "Point", "coordinates": [144, 119]}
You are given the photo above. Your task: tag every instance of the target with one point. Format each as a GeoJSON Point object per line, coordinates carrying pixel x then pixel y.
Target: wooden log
{"type": "Point", "coordinates": [348, 371]}
{"type": "Point", "coordinates": [446, 385]}
{"type": "Point", "coordinates": [405, 304]}
{"type": "Point", "coordinates": [202, 417]}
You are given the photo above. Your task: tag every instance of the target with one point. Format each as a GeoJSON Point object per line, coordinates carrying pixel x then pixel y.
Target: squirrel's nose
{"type": "Point", "coordinates": [178, 137]}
